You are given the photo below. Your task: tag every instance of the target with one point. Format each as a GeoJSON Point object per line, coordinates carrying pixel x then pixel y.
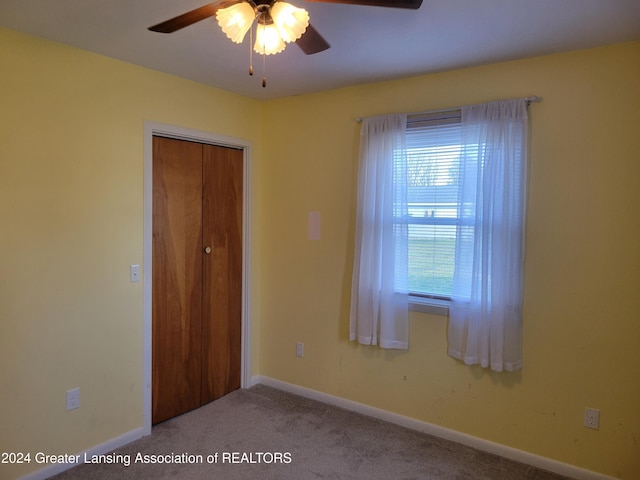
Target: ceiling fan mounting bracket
{"type": "Point", "coordinates": [263, 12]}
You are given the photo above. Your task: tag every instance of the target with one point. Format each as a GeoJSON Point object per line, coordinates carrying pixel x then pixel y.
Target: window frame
{"type": "Point", "coordinates": [420, 302]}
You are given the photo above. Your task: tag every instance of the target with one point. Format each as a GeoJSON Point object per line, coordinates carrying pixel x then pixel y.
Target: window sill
{"type": "Point", "coordinates": [429, 305]}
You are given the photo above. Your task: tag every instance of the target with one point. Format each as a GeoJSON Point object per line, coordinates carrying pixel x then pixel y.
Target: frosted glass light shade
{"type": "Point", "coordinates": [236, 20]}
{"type": "Point", "coordinates": [290, 20]}
{"type": "Point", "coordinates": [268, 40]}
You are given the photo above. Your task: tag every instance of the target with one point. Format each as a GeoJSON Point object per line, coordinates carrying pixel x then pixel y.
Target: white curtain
{"type": "Point", "coordinates": [486, 311]}
{"type": "Point", "coordinates": [379, 297]}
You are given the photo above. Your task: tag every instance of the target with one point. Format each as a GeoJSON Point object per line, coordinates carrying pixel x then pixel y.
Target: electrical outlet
{"type": "Point", "coordinates": [299, 349]}
{"type": "Point", "coordinates": [73, 399]}
{"type": "Point", "coordinates": [592, 418]}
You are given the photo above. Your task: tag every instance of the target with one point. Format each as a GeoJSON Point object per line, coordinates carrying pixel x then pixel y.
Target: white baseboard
{"type": "Point", "coordinates": [101, 449]}
{"type": "Point", "coordinates": [435, 430]}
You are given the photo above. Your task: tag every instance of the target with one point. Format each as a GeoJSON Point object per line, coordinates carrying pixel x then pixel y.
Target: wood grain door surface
{"type": "Point", "coordinates": [197, 274]}
{"type": "Point", "coordinates": [222, 271]}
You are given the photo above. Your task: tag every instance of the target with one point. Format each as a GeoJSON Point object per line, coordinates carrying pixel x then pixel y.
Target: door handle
{"type": "Point", "coordinates": [207, 250]}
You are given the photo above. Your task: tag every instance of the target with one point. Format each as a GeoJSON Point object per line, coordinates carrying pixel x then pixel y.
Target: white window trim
{"type": "Point", "coordinates": [432, 306]}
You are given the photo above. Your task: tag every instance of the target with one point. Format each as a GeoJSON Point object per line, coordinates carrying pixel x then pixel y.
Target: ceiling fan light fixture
{"type": "Point", "coordinates": [268, 40]}
{"type": "Point", "coordinates": [236, 20]}
{"type": "Point", "coordinates": [290, 20]}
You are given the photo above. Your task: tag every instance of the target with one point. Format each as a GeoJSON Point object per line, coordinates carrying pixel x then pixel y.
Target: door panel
{"type": "Point", "coordinates": [177, 277]}
{"type": "Point", "coordinates": [222, 271]}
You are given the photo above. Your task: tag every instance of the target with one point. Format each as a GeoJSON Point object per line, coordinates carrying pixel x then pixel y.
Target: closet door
{"type": "Point", "coordinates": [197, 275]}
{"type": "Point", "coordinates": [177, 278]}
{"type": "Point", "coordinates": [222, 271]}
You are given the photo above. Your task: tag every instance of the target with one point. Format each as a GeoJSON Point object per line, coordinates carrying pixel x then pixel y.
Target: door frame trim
{"type": "Point", "coordinates": [152, 129]}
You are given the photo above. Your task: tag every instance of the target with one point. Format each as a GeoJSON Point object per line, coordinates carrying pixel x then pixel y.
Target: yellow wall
{"type": "Point", "coordinates": [582, 300]}
{"type": "Point", "coordinates": [71, 223]}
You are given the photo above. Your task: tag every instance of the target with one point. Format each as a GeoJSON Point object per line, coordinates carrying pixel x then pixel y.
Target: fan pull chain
{"type": "Point", "coordinates": [264, 70]}
{"type": "Point", "coordinates": [251, 50]}
{"type": "Point", "coordinates": [264, 62]}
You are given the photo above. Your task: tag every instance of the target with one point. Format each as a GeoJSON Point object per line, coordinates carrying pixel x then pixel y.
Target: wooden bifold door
{"type": "Point", "coordinates": [197, 274]}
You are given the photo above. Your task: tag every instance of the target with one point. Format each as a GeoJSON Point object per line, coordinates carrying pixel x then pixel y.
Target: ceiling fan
{"type": "Point", "coordinates": [310, 41]}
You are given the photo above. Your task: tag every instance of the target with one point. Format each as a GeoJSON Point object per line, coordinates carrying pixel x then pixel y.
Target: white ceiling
{"type": "Point", "coordinates": [367, 43]}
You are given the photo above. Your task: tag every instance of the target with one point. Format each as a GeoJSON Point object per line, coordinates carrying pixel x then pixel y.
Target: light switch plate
{"type": "Point", "coordinates": [134, 273]}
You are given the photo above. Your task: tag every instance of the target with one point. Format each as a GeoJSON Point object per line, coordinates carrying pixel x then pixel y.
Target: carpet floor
{"type": "Point", "coordinates": [264, 433]}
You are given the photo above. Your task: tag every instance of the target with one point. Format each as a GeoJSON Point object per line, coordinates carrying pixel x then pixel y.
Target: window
{"type": "Point", "coordinates": [441, 214]}
{"type": "Point", "coordinates": [433, 147]}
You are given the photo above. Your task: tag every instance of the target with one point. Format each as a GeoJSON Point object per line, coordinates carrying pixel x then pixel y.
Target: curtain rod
{"type": "Point", "coordinates": [530, 99]}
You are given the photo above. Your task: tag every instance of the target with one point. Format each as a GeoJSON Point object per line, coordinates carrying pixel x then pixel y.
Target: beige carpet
{"type": "Point", "coordinates": [263, 433]}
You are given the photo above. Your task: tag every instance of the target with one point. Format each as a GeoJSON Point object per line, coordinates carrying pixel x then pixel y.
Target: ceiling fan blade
{"type": "Point", "coordinates": [312, 42]}
{"type": "Point", "coordinates": [191, 17]}
{"type": "Point", "coordinates": [411, 4]}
